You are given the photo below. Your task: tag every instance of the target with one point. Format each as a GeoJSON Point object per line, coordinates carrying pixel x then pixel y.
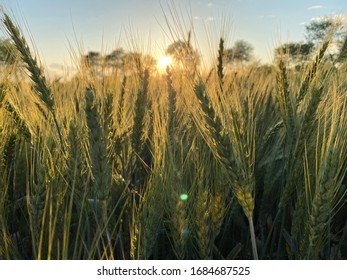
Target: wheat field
{"type": "Point", "coordinates": [185, 164]}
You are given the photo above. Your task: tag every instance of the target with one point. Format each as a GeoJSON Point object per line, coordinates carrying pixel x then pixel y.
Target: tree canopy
{"type": "Point", "coordinates": [240, 52]}
{"type": "Point", "coordinates": [319, 28]}
{"type": "Point", "coordinates": [316, 30]}
{"type": "Point", "coordinates": [119, 59]}
{"type": "Point", "coordinates": [183, 53]}
{"type": "Point", "coordinates": [297, 52]}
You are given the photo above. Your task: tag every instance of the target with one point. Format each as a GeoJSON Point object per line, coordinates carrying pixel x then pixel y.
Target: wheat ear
{"type": "Point", "coordinates": [98, 154]}
{"type": "Point", "coordinates": [222, 146]}
{"type": "Point", "coordinates": [36, 74]}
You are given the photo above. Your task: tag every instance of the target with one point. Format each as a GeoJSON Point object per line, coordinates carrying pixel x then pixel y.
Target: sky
{"type": "Point", "coordinates": [60, 28]}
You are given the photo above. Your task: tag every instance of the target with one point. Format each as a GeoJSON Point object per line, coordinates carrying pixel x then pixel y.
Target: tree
{"type": "Point", "coordinates": [316, 30]}
{"type": "Point", "coordinates": [319, 28]}
{"type": "Point", "coordinates": [92, 59]}
{"type": "Point", "coordinates": [297, 52]}
{"type": "Point", "coordinates": [127, 62]}
{"type": "Point", "coordinates": [240, 52]}
{"type": "Point", "coordinates": [138, 62]}
{"type": "Point", "coordinates": [184, 54]}
{"type": "Point", "coordinates": [116, 58]}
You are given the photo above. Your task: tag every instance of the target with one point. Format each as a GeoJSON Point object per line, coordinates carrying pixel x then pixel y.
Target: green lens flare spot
{"type": "Point", "coordinates": [183, 196]}
{"type": "Point", "coordinates": [186, 231]}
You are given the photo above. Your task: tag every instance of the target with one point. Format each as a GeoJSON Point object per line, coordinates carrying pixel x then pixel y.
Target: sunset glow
{"type": "Point", "coordinates": [164, 61]}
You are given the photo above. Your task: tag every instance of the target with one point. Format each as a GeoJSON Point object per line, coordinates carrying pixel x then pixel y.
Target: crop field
{"type": "Point", "coordinates": [246, 163]}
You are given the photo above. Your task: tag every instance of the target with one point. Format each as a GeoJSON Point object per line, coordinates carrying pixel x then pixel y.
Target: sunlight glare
{"type": "Point", "coordinates": [164, 61]}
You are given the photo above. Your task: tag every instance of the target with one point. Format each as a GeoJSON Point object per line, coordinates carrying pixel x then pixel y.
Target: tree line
{"type": "Point", "coordinates": [316, 32]}
{"type": "Point", "coordinates": [185, 55]}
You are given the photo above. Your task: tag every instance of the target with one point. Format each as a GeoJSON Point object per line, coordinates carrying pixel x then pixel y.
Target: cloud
{"type": "Point", "coordinates": [266, 17]}
{"type": "Point", "coordinates": [315, 7]}
{"type": "Point", "coordinates": [210, 5]}
{"type": "Point", "coordinates": [196, 18]}
{"type": "Point", "coordinates": [210, 19]}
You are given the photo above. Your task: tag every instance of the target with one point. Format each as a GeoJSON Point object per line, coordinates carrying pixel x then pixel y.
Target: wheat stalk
{"type": "Point", "coordinates": [330, 170]}
{"type": "Point", "coordinates": [98, 154]}
{"type": "Point", "coordinates": [231, 157]}
{"type": "Point", "coordinates": [312, 70]}
{"type": "Point", "coordinates": [140, 108]}
{"type": "Point", "coordinates": [204, 223]}
{"type": "Point", "coordinates": [220, 68]}
{"type": "Point", "coordinates": [36, 74]}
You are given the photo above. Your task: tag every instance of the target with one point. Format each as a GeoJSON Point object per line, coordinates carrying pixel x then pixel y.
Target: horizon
{"type": "Point", "coordinates": [63, 30]}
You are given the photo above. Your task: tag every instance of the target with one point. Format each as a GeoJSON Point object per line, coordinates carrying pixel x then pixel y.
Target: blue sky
{"type": "Point", "coordinates": [102, 25]}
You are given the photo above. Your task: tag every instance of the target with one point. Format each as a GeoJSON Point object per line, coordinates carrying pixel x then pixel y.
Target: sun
{"type": "Point", "coordinates": [163, 62]}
